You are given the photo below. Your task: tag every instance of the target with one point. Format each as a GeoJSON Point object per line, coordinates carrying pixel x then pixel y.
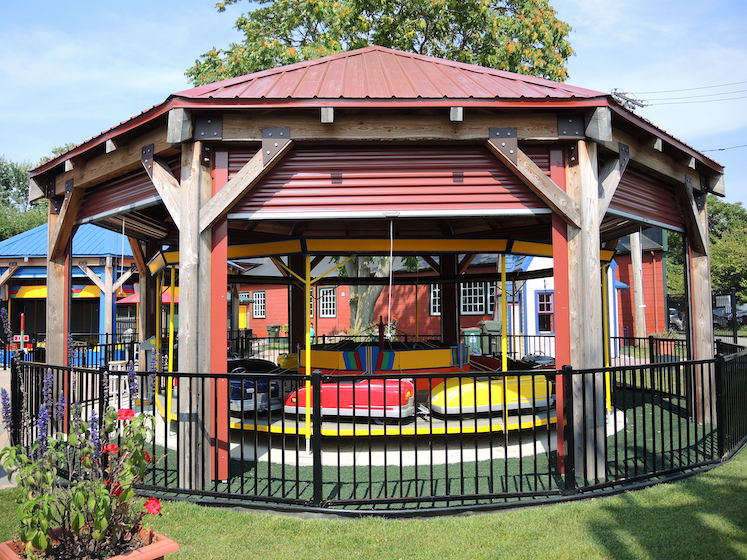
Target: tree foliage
{"type": "Point", "coordinates": [16, 213]}
{"type": "Point", "coordinates": [523, 36]}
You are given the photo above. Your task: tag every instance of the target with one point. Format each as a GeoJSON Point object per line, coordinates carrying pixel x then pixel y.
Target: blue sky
{"type": "Point", "coordinates": [72, 69]}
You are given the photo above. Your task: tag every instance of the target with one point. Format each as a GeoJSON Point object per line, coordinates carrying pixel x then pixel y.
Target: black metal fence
{"type": "Point", "coordinates": [630, 350]}
{"type": "Point", "coordinates": [399, 443]}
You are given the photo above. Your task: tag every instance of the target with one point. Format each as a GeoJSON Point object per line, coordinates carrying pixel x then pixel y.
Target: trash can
{"type": "Point", "coordinates": [491, 340]}
{"type": "Point", "coordinates": [471, 338]}
{"type": "Point", "coordinates": [273, 331]}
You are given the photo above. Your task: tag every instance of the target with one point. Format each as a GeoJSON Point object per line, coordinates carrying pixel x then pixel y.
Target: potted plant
{"type": "Point", "coordinates": [77, 496]}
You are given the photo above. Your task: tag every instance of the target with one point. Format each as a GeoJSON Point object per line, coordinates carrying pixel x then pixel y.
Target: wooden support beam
{"type": "Point", "coordinates": [465, 262]}
{"type": "Point", "coordinates": [179, 128]}
{"type": "Point", "coordinates": [279, 265]}
{"type": "Point", "coordinates": [110, 165]}
{"type": "Point", "coordinates": [240, 184]}
{"type": "Point", "coordinates": [449, 300]}
{"type": "Point", "coordinates": [166, 184]}
{"type": "Point", "coordinates": [696, 231]}
{"type": "Point", "coordinates": [609, 179]}
{"type": "Point", "coordinates": [62, 232]}
{"type": "Point", "coordinates": [387, 126]}
{"type": "Point", "coordinates": [92, 276]}
{"type": "Point", "coordinates": [58, 297]}
{"type": "Point", "coordinates": [599, 124]}
{"type": "Point", "coordinates": [328, 115]}
{"type": "Point", "coordinates": [544, 187]}
{"type": "Point", "coordinates": [432, 263]}
{"type": "Point", "coordinates": [122, 279]}
{"type": "Point", "coordinates": [315, 261]}
{"type": "Point", "coordinates": [11, 270]}
{"type": "Point", "coordinates": [138, 255]}
{"type": "Point", "coordinates": [35, 190]}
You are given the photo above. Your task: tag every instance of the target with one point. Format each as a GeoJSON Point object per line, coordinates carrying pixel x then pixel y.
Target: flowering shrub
{"type": "Point", "coordinates": [92, 511]}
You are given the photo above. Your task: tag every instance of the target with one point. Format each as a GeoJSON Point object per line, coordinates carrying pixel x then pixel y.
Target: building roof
{"type": "Point", "coordinates": [89, 241]}
{"type": "Point", "coordinates": [381, 73]}
{"type": "Point", "coordinates": [377, 77]}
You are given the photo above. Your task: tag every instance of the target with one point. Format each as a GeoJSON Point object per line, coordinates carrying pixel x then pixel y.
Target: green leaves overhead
{"type": "Point", "coordinates": [521, 36]}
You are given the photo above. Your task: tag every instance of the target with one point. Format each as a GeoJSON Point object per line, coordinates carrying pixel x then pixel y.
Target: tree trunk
{"type": "Point", "coordinates": [363, 298]}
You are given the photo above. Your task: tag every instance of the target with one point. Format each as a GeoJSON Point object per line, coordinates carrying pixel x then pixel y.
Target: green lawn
{"type": "Point", "coordinates": [704, 516]}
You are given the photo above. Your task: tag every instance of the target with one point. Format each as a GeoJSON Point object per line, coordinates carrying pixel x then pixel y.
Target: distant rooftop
{"type": "Point", "coordinates": [89, 241]}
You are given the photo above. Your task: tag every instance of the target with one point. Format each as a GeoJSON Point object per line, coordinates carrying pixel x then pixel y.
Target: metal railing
{"type": "Point", "coordinates": [399, 443]}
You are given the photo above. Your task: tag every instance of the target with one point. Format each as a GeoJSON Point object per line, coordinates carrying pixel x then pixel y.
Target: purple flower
{"type": "Point", "coordinates": [155, 362]}
{"type": "Point", "coordinates": [95, 433]}
{"type": "Point", "coordinates": [60, 406]}
{"type": "Point", "coordinates": [47, 387]}
{"type": "Point", "coordinates": [5, 400]}
{"type": "Point", "coordinates": [42, 424]}
{"type": "Point", "coordinates": [132, 380]}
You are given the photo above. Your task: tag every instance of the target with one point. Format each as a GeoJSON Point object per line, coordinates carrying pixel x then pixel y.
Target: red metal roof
{"type": "Point", "coordinates": [381, 73]}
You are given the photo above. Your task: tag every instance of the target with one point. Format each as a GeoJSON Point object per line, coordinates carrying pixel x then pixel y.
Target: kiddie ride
{"type": "Point", "coordinates": [395, 398]}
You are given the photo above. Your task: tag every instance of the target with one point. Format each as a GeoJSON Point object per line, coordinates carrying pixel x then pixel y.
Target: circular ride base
{"type": "Point", "coordinates": [395, 447]}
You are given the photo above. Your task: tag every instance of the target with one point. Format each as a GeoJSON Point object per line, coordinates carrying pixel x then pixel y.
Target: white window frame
{"type": "Point", "coordinates": [259, 305]}
{"type": "Point", "coordinates": [472, 298]}
{"type": "Point", "coordinates": [490, 298]}
{"type": "Point", "coordinates": [542, 309]}
{"type": "Point", "coordinates": [327, 303]}
{"type": "Point", "coordinates": [434, 300]}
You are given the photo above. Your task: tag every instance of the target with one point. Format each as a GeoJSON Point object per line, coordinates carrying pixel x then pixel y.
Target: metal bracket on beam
{"type": "Point", "coordinates": [206, 155]}
{"type": "Point", "coordinates": [273, 140]}
{"type": "Point", "coordinates": [624, 156]}
{"type": "Point", "coordinates": [571, 126]}
{"type": "Point", "coordinates": [55, 204]}
{"type": "Point", "coordinates": [146, 156]}
{"type": "Point", "coordinates": [69, 186]}
{"type": "Point", "coordinates": [209, 128]}
{"type": "Point", "coordinates": [49, 188]}
{"type": "Point", "coordinates": [506, 140]}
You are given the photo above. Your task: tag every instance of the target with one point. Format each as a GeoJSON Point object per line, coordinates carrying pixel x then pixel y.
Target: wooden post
{"type": "Point", "coordinates": [701, 320]}
{"type": "Point", "coordinates": [449, 300]}
{"type": "Point", "coordinates": [636, 262]}
{"type": "Point", "coordinates": [585, 311]}
{"type": "Point", "coordinates": [194, 322]}
{"type": "Point", "coordinates": [58, 299]}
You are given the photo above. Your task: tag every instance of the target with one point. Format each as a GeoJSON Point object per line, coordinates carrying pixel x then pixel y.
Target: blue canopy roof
{"type": "Point", "coordinates": [89, 241]}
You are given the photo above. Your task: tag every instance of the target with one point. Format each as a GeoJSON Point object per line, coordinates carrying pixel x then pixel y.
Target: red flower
{"type": "Point", "coordinates": [152, 506]}
{"type": "Point", "coordinates": [125, 414]}
{"type": "Point", "coordinates": [147, 457]}
{"type": "Point", "coordinates": [112, 448]}
{"type": "Point", "coordinates": [117, 489]}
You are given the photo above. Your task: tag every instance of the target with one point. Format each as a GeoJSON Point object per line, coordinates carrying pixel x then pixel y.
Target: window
{"type": "Point", "coordinates": [311, 304]}
{"type": "Point", "coordinates": [545, 312]}
{"type": "Point", "coordinates": [435, 299]}
{"type": "Point", "coordinates": [490, 304]}
{"type": "Point", "coordinates": [473, 298]}
{"type": "Point", "coordinates": [327, 302]}
{"type": "Point", "coordinates": [258, 307]}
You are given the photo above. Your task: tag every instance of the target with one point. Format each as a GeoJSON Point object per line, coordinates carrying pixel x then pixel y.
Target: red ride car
{"type": "Point", "coordinates": [374, 398]}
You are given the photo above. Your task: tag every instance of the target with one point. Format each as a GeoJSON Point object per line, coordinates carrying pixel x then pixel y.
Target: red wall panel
{"type": "Point", "coordinates": [391, 178]}
{"type": "Point", "coordinates": [639, 195]}
{"type": "Point", "coordinates": [654, 294]}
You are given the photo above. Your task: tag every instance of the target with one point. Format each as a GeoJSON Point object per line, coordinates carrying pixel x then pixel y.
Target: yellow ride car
{"type": "Point", "coordinates": [467, 395]}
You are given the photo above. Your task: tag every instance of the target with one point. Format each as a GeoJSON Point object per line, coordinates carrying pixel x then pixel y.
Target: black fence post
{"type": "Point", "coordinates": [651, 350]}
{"type": "Point", "coordinates": [720, 412]}
{"type": "Point", "coordinates": [16, 403]}
{"type": "Point", "coordinates": [570, 458]}
{"type": "Point", "coordinates": [103, 392]}
{"type": "Point", "coordinates": [316, 436]}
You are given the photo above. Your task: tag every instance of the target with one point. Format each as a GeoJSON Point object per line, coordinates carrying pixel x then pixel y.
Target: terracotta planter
{"type": "Point", "coordinates": [158, 547]}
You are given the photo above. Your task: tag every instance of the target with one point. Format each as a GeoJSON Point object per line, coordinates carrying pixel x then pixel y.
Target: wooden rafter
{"type": "Point", "coordinates": [66, 222]}
{"type": "Point", "coordinates": [609, 179]}
{"type": "Point", "coordinates": [466, 261]}
{"type": "Point", "coordinates": [8, 274]}
{"type": "Point", "coordinates": [92, 276]}
{"type": "Point", "coordinates": [280, 265]}
{"type": "Point", "coordinates": [696, 233]}
{"type": "Point", "coordinates": [167, 186]}
{"type": "Point", "coordinates": [432, 263]}
{"type": "Point", "coordinates": [544, 187]}
{"type": "Point", "coordinates": [240, 184]}
{"type": "Point", "coordinates": [137, 254]}
{"type": "Point", "coordinates": [121, 280]}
